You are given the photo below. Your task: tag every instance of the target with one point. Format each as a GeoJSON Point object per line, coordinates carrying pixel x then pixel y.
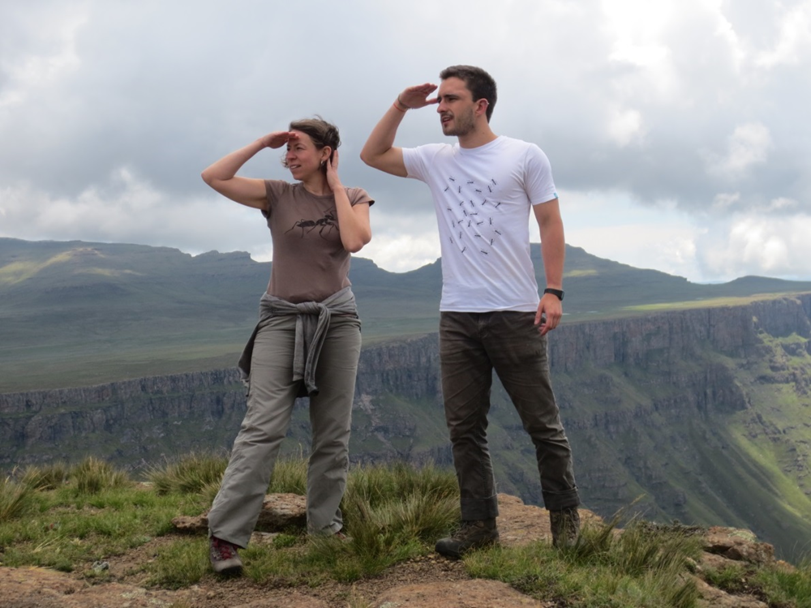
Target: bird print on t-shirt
{"type": "Point", "coordinates": [472, 208]}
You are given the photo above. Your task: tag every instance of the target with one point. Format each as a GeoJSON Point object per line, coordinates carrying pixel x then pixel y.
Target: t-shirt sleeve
{"type": "Point", "coordinates": [274, 188]}
{"type": "Point", "coordinates": [539, 185]}
{"type": "Point", "coordinates": [359, 196]}
{"type": "Point", "coordinates": [417, 160]}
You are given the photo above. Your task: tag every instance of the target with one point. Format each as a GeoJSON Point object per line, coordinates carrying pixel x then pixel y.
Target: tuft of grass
{"type": "Point", "coordinates": [731, 578]}
{"type": "Point", "coordinates": [180, 564]}
{"type": "Point", "coordinates": [209, 492]}
{"type": "Point", "coordinates": [92, 475]}
{"type": "Point", "coordinates": [392, 512]}
{"type": "Point", "coordinates": [48, 477]}
{"type": "Point", "coordinates": [289, 476]}
{"type": "Point", "coordinates": [201, 473]}
{"type": "Point", "coordinates": [640, 567]}
{"type": "Point", "coordinates": [191, 474]}
{"type": "Point", "coordinates": [13, 499]}
{"type": "Point", "coordinates": [785, 586]}
{"type": "Point", "coordinates": [377, 484]}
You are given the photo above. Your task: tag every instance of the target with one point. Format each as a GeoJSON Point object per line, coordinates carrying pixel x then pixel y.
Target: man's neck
{"type": "Point", "coordinates": [478, 137]}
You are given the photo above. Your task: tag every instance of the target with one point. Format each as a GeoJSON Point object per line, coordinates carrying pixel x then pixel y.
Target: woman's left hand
{"type": "Point", "coordinates": [333, 181]}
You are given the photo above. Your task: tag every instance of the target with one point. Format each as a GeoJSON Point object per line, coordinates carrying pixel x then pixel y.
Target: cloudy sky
{"type": "Point", "coordinates": [675, 129]}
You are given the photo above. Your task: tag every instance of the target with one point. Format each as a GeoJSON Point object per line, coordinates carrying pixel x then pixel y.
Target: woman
{"type": "Point", "coordinates": [307, 341]}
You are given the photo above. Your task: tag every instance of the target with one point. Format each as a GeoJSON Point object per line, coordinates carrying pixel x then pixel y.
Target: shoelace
{"type": "Point", "coordinates": [224, 548]}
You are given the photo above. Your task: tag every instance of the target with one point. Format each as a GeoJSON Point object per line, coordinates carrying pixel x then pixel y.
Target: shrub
{"type": "Point", "coordinates": [13, 499]}
{"type": "Point", "coordinates": [48, 477]}
{"type": "Point", "coordinates": [289, 476]}
{"type": "Point", "coordinates": [92, 475]}
{"type": "Point", "coordinates": [191, 474]}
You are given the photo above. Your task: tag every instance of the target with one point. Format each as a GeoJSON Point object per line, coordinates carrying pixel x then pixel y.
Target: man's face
{"type": "Point", "coordinates": [456, 107]}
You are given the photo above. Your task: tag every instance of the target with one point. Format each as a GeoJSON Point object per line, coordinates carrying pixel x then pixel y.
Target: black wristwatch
{"type": "Point", "coordinates": [555, 292]}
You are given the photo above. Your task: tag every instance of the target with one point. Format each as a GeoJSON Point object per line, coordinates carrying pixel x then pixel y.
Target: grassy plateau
{"type": "Point", "coordinates": [72, 517]}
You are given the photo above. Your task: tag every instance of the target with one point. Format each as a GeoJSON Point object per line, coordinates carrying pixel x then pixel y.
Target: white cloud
{"type": "Point", "coordinates": [748, 145]}
{"type": "Point", "coordinates": [28, 68]}
{"type": "Point", "coordinates": [127, 208]}
{"type": "Point", "coordinates": [759, 244]}
{"type": "Point", "coordinates": [725, 201]}
{"type": "Point", "coordinates": [625, 127]}
{"type": "Point", "coordinates": [793, 43]}
{"type": "Point", "coordinates": [613, 226]}
{"type": "Point", "coordinates": [403, 253]}
{"type": "Point", "coordinates": [783, 204]}
{"type": "Point", "coordinates": [636, 31]}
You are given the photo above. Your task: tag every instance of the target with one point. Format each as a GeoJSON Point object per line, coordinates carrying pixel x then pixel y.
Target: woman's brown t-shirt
{"type": "Point", "coordinates": [309, 260]}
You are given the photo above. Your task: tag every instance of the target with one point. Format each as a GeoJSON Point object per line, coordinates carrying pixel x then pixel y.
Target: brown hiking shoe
{"type": "Point", "coordinates": [472, 534]}
{"type": "Point", "coordinates": [565, 526]}
{"type": "Point", "coordinates": [224, 556]}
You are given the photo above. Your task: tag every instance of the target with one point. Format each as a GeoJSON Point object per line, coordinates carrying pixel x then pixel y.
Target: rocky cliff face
{"type": "Point", "coordinates": [699, 412]}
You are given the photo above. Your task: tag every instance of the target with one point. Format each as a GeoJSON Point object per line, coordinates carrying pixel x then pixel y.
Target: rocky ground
{"type": "Point", "coordinates": [427, 582]}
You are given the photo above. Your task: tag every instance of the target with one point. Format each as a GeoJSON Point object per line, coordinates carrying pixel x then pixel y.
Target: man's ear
{"type": "Point", "coordinates": [481, 106]}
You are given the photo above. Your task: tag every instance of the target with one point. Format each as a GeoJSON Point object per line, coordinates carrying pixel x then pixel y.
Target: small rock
{"type": "Point", "coordinates": [279, 511]}
{"type": "Point", "coordinates": [738, 545]}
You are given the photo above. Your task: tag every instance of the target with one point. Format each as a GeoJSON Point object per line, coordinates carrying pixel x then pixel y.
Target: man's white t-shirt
{"type": "Point", "coordinates": [483, 198]}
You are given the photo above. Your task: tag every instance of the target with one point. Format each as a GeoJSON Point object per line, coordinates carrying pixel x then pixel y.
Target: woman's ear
{"type": "Point", "coordinates": [326, 153]}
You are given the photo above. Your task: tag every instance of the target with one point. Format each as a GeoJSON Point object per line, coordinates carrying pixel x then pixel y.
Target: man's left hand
{"type": "Point", "coordinates": [550, 310]}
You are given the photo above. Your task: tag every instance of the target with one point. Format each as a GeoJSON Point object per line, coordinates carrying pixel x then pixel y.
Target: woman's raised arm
{"type": "Point", "coordinates": [244, 190]}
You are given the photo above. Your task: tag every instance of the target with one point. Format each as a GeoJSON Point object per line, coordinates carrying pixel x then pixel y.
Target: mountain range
{"type": "Point", "coordinates": [77, 313]}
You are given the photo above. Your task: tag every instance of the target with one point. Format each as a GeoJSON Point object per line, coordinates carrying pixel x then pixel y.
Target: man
{"type": "Point", "coordinates": [490, 314]}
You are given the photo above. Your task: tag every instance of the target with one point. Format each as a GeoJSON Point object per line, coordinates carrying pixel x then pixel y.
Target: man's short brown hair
{"type": "Point", "coordinates": [480, 84]}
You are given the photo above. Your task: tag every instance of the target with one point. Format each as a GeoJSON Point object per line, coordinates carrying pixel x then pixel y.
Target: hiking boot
{"type": "Point", "coordinates": [472, 534]}
{"type": "Point", "coordinates": [565, 526]}
{"type": "Point", "coordinates": [224, 557]}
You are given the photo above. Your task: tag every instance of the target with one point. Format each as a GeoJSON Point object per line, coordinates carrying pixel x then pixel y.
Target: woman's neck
{"type": "Point", "coordinates": [317, 184]}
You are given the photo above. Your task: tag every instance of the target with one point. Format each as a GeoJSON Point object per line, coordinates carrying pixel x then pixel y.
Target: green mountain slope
{"type": "Point", "coordinates": [75, 313]}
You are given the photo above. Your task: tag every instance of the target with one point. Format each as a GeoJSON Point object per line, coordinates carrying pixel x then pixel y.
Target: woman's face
{"type": "Point", "coordinates": [303, 158]}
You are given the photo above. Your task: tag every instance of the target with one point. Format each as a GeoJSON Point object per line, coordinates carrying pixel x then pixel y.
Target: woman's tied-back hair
{"type": "Point", "coordinates": [320, 131]}
{"type": "Point", "coordinates": [480, 84]}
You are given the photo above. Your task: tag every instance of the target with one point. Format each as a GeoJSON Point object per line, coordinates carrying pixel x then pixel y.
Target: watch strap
{"type": "Point", "coordinates": [555, 292]}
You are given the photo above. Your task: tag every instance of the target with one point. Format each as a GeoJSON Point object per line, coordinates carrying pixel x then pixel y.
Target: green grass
{"type": "Point", "coordinates": [189, 474]}
{"type": "Point", "coordinates": [92, 475]}
{"type": "Point", "coordinates": [181, 564]}
{"type": "Point", "coordinates": [13, 498]}
{"type": "Point", "coordinates": [66, 529]}
{"type": "Point", "coordinates": [392, 513]}
{"type": "Point", "coordinates": [48, 477]}
{"type": "Point", "coordinates": [704, 303]}
{"type": "Point", "coordinates": [785, 586]}
{"type": "Point", "coordinates": [731, 578]}
{"type": "Point", "coordinates": [644, 566]}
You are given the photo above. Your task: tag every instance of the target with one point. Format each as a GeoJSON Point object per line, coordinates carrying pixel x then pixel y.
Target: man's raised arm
{"type": "Point", "coordinates": [379, 151]}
